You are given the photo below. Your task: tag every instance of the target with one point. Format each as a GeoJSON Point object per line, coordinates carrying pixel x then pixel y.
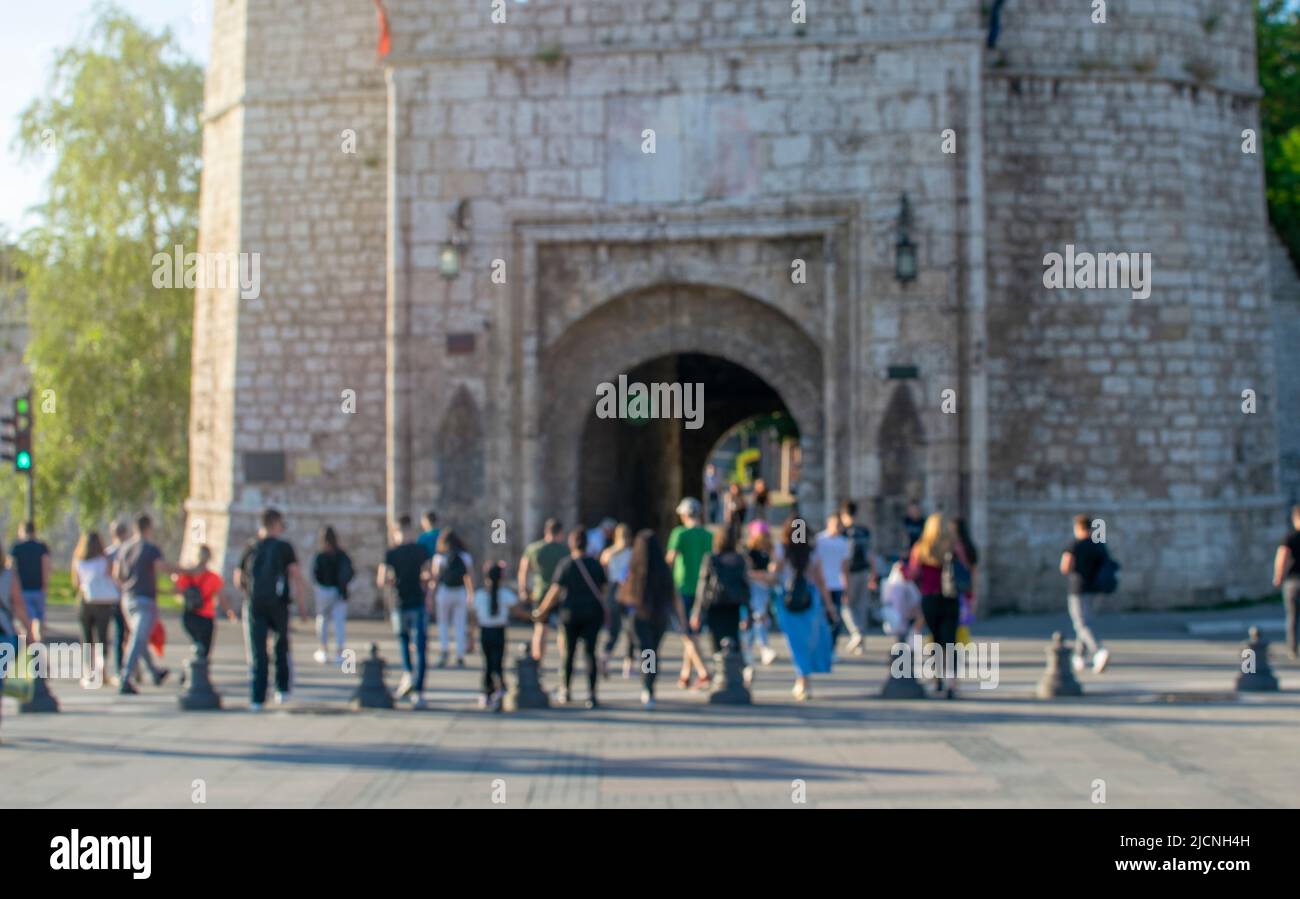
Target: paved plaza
{"type": "Point", "coordinates": [1160, 728]}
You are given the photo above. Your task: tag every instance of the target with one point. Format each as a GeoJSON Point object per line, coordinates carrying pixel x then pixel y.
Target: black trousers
{"type": "Point", "coordinates": [942, 616]}
{"type": "Point", "coordinates": [119, 634]}
{"type": "Point", "coordinates": [724, 624]}
{"type": "Point", "coordinates": [617, 624]}
{"type": "Point", "coordinates": [95, 618]}
{"type": "Point", "coordinates": [262, 622]}
{"type": "Point", "coordinates": [585, 628]}
{"type": "Point", "coordinates": [648, 636]}
{"type": "Point", "coordinates": [493, 640]}
{"type": "Point", "coordinates": [201, 631]}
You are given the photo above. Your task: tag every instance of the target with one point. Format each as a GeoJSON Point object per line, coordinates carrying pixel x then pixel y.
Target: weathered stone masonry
{"type": "Point", "coordinates": [774, 142]}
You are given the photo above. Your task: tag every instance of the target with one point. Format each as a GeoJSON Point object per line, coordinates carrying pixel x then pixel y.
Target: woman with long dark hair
{"type": "Point", "coordinates": [97, 598]}
{"type": "Point", "coordinates": [651, 601]}
{"type": "Point", "coordinates": [332, 571]}
{"type": "Point", "coordinates": [493, 605]}
{"type": "Point", "coordinates": [804, 607]}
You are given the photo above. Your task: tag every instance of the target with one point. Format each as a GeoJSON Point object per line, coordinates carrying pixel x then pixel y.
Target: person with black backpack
{"type": "Point", "coordinates": [269, 576]}
{"type": "Point", "coordinates": [860, 580]}
{"type": "Point", "coordinates": [1092, 573]}
{"type": "Point", "coordinates": [454, 585]}
{"type": "Point", "coordinates": [723, 591]}
{"type": "Point", "coordinates": [804, 608]}
{"type": "Point", "coordinates": [332, 571]}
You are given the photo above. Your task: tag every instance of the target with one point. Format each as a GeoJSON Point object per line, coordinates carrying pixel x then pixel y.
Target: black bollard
{"type": "Point", "coordinates": [42, 699]}
{"type": "Point", "coordinates": [526, 692]}
{"type": "Point", "coordinates": [1262, 679]}
{"type": "Point", "coordinates": [200, 696]}
{"type": "Point", "coordinates": [729, 687]}
{"type": "Point", "coordinates": [372, 693]}
{"type": "Point", "coordinates": [1058, 679]}
{"type": "Point", "coordinates": [902, 684]}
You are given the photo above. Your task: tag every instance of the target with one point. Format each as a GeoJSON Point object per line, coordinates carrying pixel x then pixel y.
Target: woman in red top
{"type": "Point", "coordinates": [200, 623]}
{"type": "Point", "coordinates": [925, 568]}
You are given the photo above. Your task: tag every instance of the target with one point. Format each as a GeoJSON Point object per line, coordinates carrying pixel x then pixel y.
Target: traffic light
{"type": "Point", "coordinates": [17, 441]}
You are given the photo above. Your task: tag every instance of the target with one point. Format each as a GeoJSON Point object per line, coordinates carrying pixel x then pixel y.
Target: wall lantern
{"type": "Point", "coordinates": [905, 268]}
{"type": "Point", "coordinates": [449, 256]}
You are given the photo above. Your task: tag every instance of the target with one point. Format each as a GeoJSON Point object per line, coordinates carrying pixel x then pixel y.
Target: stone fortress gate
{"type": "Point", "coordinates": [366, 382]}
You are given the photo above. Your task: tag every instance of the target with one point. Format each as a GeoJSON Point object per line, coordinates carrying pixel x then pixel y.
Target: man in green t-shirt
{"type": "Point", "coordinates": [536, 569]}
{"type": "Point", "coordinates": [689, 545]}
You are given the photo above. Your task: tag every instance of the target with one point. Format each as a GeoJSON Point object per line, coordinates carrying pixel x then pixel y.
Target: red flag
{"type": "Point", "coordinates": [385, 37]}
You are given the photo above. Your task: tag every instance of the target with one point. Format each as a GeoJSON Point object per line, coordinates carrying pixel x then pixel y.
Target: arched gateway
{"type": "Point", "coordinates": [750, 359]}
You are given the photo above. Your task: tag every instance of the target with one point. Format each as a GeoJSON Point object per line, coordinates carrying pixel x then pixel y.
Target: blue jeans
{"type": "Point", "coordinates": [35, 602]}
{"type": "Point", "coordinates": [412, 625]}
{"type": "Point", "coordinates": [141, 612]}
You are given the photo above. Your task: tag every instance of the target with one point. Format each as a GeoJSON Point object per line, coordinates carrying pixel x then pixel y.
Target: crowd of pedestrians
{"type": "Point", "coordinates": [607, 591]}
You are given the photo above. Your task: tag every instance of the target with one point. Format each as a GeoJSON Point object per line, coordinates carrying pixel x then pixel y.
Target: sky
{"type": "Point", "coordinates": [32, 31]}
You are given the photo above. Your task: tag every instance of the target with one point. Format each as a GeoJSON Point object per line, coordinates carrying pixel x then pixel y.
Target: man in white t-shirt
{"type": "Point", "coordinates": [834, 552]}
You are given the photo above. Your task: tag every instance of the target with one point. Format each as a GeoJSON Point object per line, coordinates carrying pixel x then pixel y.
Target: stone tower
{"type": "Point", "coordinates": [630, 189]}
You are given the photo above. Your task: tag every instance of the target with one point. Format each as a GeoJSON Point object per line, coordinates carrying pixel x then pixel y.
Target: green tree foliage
{"type": "Point", "coordinates": [1279, 74]}
{"type": "Point", "coordinates": [108, 352]}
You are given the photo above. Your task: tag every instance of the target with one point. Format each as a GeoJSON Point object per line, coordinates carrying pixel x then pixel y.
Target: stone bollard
{"type": "Point", "coordinates": [526, 692]}
{"type": "Point", "coordinates": [902, 682]}
{"type": "Point", "coordinates": [1058, 679]}
{"type": "Point", "coordinates": [1262, 679]}
{"type": "Point", "coordinates": [200, 696]}
{"type": "Point", "coordinates": [729, 687]}
{"type": "Point", "coordinates": [373, 693]}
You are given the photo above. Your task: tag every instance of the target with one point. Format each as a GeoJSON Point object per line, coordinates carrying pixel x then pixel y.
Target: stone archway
{"type": "Point", "coordinates": [758, 359]}
{"type": "Point", "coordinates": [635, 471]}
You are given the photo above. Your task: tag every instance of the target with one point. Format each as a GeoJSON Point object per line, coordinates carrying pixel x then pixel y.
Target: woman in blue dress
{"type": "Point", "coordinates": [803, 608]}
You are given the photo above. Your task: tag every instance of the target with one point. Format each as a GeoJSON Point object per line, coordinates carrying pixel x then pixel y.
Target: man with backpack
{"type": "Point", "coordinates": [861, 577]}
{"type": "Point", "coordinates": [269, 576]}
{"type": "Point", "coordinates": [1092, 573]}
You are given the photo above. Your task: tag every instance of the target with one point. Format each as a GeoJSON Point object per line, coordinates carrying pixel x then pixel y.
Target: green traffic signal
{"type": "Point", "coordinates": [23, 461]}
{"type": "Point", "coordinates": [21, 405]}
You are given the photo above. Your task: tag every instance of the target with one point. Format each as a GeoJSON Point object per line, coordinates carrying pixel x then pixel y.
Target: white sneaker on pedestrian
{"type": "Point", "coordinates": [1077, 663]}
{"type": "Point", "coordinates": [647, 700]}
{"type": "Point", "coordinates": [561, 696]}
{"type": "Point", "coordinates": [281, 697]}
{"type": "Point", "coordinates": [1100, 660]}
{"type": "Point", "coordinates": [404, 686]}
{"type": "Point", "coordinates": [417, 700]}
{"type": "Point", "coordinates": [320, 656]}
{"type": "Point", "coordinates": [854, 642]}
{"type": "Point", "coordinates": [767, 655]}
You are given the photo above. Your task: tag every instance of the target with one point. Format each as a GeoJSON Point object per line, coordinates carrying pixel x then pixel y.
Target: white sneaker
{"type": "Point", "coordinates": [417, 701]}
{"type": "Point", "coordinates": [1077, 663]}
{"type": "Point", "coordinates": [647, 701]}
{"type": "Point", "coordinates": [404, 686]}
{"type": "Point", "coordinates": [320, 656]}
{"type": "Point", "coordinates": [767, 655]}
{"type": "Point", "coordinates": [1100, 660]}
{"type": "Point", "coordinates": [561, 696]}
{"type": "Point", "coordinates": [281, 698]}
{"type": "Point", "coordinates": [854, 642]}
{"type": "Point", "coordinates": [748, 674]}
{"type": "Point", "coordinates": [482, 701]}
